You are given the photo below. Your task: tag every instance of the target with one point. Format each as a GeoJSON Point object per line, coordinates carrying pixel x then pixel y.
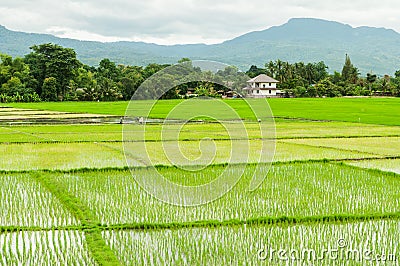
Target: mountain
{"type": "Point", "coordinates": [300, 39]}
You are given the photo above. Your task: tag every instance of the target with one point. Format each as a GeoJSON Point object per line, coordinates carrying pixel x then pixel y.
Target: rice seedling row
{"type": "Point", "coordinates": [385, 146]}
{"type": "Point", "coordinates": [26, 203]}
{"type": "Point", "coordinates": [44, 248]}
{"type": "Point", "coordinates": [318, 189]}
{"type": "Point", "coordinates": [101, 155]}
{"type": "Point", "coordinates": [358, 243]}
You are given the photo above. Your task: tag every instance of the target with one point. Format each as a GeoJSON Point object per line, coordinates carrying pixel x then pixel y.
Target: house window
{"type": "Point", "coordinates": [263, 85]}
{"type": "Point", "coordinates": [270, 92]}
{"type": "Point", "coordinates": [258, 91]}
{"type": "Point", "coordinates": [270, 84]}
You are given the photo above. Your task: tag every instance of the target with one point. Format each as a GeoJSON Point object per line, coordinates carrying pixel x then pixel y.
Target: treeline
{"type": "Point", "coordinates": [53, 73]}
{"type": "Point", "coordinates": [313, 80]}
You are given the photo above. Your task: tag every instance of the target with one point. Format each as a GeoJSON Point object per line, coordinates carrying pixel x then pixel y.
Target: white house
{"type": "Point", "coordinates": [262, 86]}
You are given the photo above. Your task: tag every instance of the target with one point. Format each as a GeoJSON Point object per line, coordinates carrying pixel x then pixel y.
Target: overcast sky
{"type": "Point", "coordinates": [184, 21]}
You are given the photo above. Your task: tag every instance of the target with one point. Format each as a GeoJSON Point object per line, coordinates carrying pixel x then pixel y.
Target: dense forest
{"type": "Point", "coordinates": [53, 73]}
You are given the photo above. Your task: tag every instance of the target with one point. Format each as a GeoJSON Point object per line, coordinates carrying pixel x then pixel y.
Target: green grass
{"type": "Point", "coordinates": [383, 111]}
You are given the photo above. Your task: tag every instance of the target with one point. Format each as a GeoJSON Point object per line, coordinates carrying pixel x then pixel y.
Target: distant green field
{"type": "Point", "coordinates": [384, 111]}
{"type": "Point", "coordinates": [285, 129]}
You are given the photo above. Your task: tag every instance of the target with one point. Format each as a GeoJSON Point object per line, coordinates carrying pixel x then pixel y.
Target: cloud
{"type": "Point", "coordinates": [183, 21]}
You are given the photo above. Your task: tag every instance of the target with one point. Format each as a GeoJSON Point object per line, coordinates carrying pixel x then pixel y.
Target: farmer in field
{"type": "Point", "coordinates": [141, 120]}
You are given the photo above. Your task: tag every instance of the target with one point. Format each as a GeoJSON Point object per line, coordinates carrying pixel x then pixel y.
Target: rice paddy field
{"type": "Point", "coordinates": [330, 195]}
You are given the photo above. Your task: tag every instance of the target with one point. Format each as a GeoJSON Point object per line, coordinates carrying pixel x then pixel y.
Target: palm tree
{"type": "Point", "coordinates": [271, 69]}
{"type": "Point", "coordinates": [279, 74]}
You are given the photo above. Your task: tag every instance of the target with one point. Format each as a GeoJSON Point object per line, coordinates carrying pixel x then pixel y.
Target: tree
{"type": "Point", "coordinates": [109, 70]}
{"type": "Point", "coordinates": [84, 78]}
{"type": "Point", "coordinates": [151, 69]}
{"type": "Point", "coordinates": [184, 60]}
{"type": "Point", "coordinates": [371, 78]}
{"type": "Point", "coordinates": [271, 69]}
{"type": "Point", "coordinates": [397, 74]}
{"type": "Point", "coordinates": [255, 71]}
{"type": "Point", "coordinates": [396, 84]}
{"type": "Point", "coordinates": [321, 71]}
{"type": "Point", "coordinates": [12, 86]}
{"type": "Point", "coordinates": [349, 72]}
{"type": "Point", "coordinates": [5, 68]}
{"type": "Point", "coordinates": [51, 60]}
{"type": "Point", "coordinates": [279, 70]}
{"type": "Point", "coordinates": [131, 80]}
{"type": "Point", "coordinates": [326, 88]}
{"type": "Point", "coordinates": [49, 89]}
{"type": "Point", "coordinates": [108, 90]}
{"type": "Point", "coordinates": [336, 77]}
{"type": "Point", "coordinates": [15, 78]}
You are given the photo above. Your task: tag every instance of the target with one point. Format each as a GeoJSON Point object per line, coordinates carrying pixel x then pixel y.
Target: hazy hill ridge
{"type": "Point", "coordinates": [300, 39]}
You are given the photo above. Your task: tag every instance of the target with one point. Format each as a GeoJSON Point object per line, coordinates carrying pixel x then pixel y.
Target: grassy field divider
{"type": "Point", "coordinates": [161, 166]}
{"type": "Point", "coordinates": [257, 221]}
{"type": "Point", "coordinates": [337, 137]}
{"type": "Point", "coordinates": [282, 138]}
{"type": "Point", "coordinates": [93, 232]}
{"type": "Point", "coordinates": [96, 245]}
{"type": "Point", "coordinates": [16, 228]}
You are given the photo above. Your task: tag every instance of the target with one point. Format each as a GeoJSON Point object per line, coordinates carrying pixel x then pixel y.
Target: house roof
{"type": "Point", "coordinates": [263, 78]}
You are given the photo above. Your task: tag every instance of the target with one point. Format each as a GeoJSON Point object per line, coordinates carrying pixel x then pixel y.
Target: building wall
{"type": "Point", "coordinates": [263, 85]}
{"type": "Point", "coordinates": [264, 96]}
{"type": "Point", "coordinates": [263, 92]}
